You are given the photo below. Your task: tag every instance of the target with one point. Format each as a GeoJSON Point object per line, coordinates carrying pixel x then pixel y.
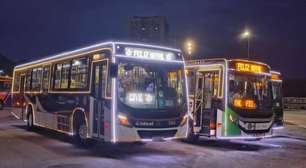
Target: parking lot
{"type": "Point", "coordinates": [43, 148]}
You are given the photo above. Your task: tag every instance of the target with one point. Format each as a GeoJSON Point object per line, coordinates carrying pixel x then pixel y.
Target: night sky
{"type": "Point", "coordinates": [31, 29]}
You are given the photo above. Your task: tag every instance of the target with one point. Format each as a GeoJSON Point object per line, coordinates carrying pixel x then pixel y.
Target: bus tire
{"type": "Point", "coordinates": [192, 137]}
{"type": "Point", "coordinates": [30, 123]}
{"type": "Point", "coordinates": [1, 104]}
{"type": "Point", "coordinates": [80, 130]}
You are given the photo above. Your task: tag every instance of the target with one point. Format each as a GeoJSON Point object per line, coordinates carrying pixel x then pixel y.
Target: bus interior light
{"type": "Point", "coordinates": [97, 57]}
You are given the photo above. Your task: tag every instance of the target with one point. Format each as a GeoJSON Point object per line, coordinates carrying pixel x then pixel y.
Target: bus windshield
{"type": "Point", "coordinates": [277, 90]}
{"type": "Point", "coordinates": [151, 86]}
{"type": "Point", "coordinates": [251, 87]}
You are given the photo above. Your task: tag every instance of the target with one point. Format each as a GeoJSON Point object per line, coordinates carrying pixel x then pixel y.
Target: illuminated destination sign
{"type": "Point", "coordinates": [246, 66]}
{"type": "Point", "coordinates": [149, 53]}
{"type": "Point", "coordinates": [275, 76]}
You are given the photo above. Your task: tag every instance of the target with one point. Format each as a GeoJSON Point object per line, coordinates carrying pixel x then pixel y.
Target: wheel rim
{"type": "Point", "coordinates": [83, 131]}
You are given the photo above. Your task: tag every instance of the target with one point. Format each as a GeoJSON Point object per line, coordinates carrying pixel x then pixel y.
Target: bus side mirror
{"type": "Point", "coordinates": [113, 70]}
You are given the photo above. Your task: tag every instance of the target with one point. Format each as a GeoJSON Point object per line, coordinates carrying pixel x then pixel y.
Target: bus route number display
{"type": "Point", "coordinates": [247, 67]}
{"type": "Point", "coordinates": [149, 54]}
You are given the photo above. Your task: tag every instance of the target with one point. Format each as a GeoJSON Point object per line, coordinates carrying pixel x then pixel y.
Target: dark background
{"type": "Point", "coordinates": [36, 28]}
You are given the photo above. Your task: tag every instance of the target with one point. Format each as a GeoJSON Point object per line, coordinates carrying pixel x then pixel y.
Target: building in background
{"type": "Point", "coordinates": [6, 66]}
{"type": "Point", "coordinates": [153, 29]}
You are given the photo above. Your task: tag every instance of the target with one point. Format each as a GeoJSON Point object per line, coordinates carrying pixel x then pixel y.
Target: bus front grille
{"type": "Point", "coordinates": [148, 134]}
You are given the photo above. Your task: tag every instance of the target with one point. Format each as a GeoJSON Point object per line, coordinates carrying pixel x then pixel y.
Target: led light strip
{"type": "Point", "coordinates": [114, 95]}
{"type": "Point", "coordinates": [92, 47]}
{"type": "Point", "coordinates": [149, 46]}
{"type": "Point", "coordinates": [63, 54]}
{"type": "Point", "coordinates": [114, 132]}
{"type": "Point", "coordinates": [187, 98]}
{"type": "Point", "coordinates": [226, 97]}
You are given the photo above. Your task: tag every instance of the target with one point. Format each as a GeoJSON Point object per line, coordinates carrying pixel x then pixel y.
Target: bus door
{"type": "Point", "coordinates": [99, 83]}
{"type": "Point", "coordinates": [198, 101]}
{"type": "Point", "coordinates": [207, 83]}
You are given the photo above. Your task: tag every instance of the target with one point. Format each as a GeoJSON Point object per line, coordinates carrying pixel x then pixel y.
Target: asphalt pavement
{"type": "Point", "coordinates": [43, 148]}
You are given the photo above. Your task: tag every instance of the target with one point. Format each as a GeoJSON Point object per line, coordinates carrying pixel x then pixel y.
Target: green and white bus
{"type": "Point", "coordinates": [229, 99]}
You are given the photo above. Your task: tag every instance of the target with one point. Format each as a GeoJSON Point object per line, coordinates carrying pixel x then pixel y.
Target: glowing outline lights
{"type": "Point", "coordinates": [92, 47]}
{"type": "Point", "coordinates": [276, 76]}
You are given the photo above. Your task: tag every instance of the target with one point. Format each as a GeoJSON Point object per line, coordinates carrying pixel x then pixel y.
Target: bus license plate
{"type": "Point", "coordinates": [262, 126]}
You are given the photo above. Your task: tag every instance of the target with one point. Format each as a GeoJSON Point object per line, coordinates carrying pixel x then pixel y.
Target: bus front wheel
{"type": "Point", "coordinates": [30, 122]}
{"type": "Point", "coordinates": [80, 130]}
{"type": "Point", "coordinates": [192, 137]}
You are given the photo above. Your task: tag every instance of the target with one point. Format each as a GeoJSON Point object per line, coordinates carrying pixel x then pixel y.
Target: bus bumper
{"type": "Point", "coordinates": [132, 134]}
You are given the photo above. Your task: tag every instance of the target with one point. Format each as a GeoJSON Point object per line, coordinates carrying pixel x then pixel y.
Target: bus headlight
{"type": "Point", "coordinates": [184, 120]}
{"type": "Point", "coordinates": [123, 120]}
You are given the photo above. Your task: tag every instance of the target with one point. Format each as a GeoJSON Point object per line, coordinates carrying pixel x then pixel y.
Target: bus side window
{"type": "Point", "coordinates": [61, 75]}
{"type": "Point", "coordinates": [104, 80]}
{"type": "Point", "coordinates": [79, 73]}
{"type": "Point", "coordinates": [36, 79]}
{"type": "Point", "coordinates": [28, 80]}
{"type": "Point", "coordinates": [16, 86]}
{"type": "Point", "coordinates": [45, 78]}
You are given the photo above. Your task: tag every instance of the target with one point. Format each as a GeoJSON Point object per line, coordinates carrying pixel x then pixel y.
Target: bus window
{"type": "Point", "coordinates": [45, 81]}
{"type": "Point", "coordinates": [61, 75]}
{"type": "Point", "coordinates": [65, 75]}
{"type": "Point", "coordinates": [104, 80]}
{"type": "Point", "coordinates": [36, 79]}
{"type": "Point", "coordinates": [79, 73]}
{"type": "Point", "coordinates": [28, 80]}
{"type": "Point", "coordinates": [16, 86]}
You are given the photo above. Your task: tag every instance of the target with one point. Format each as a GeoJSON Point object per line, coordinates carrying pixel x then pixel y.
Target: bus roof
{"type": "Point", "coordinates": [111, 44]}
{"type": "Point", "coordinates": [275, 72]}
{"type": "Point", "coordinates": [209, 60]}
{"type": "Point", "coordinates": [276, 76]}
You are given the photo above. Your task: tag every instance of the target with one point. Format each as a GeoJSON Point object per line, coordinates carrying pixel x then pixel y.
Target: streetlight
{"type": "Point", "coordinates": [247, 35]}
{"type": "Point", "coordinates": [189, 47]}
